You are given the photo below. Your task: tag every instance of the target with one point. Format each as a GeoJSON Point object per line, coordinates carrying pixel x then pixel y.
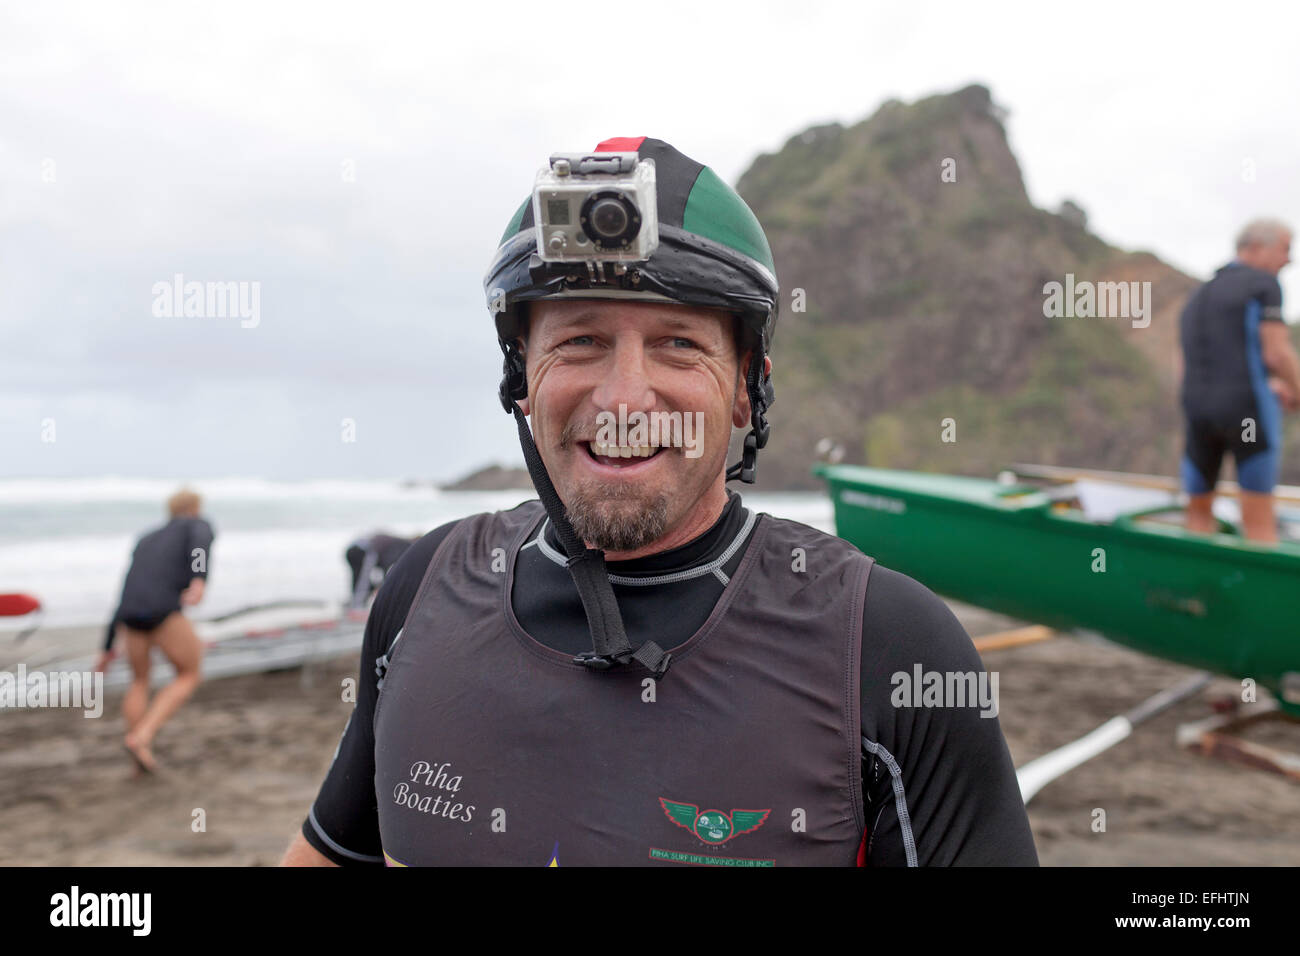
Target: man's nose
{"type": "Point", "coordinates": [625, 380]}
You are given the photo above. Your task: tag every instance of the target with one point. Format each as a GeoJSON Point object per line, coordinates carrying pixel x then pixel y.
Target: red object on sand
{"type": "Point", "coordinates": [15, 605]}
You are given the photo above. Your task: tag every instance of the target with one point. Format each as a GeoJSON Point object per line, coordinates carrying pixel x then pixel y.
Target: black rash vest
{"type": "Point", "coordinates": [161, 568]}
{"type": "Point", "coordinates": [939, 785]}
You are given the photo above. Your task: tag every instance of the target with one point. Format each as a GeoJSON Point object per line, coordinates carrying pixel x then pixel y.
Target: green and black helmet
{"type": "Point", "coordinates": [711, 252]}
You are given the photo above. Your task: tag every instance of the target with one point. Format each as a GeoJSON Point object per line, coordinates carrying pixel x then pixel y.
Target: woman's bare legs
{"type": "Point", "coordinates": [175, 637]}
{"type": "Point", "coordinates": [136, 701]}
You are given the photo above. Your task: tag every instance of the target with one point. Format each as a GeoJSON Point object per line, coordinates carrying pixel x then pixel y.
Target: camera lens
{"type": "Point", "coordinates": [608, 218]}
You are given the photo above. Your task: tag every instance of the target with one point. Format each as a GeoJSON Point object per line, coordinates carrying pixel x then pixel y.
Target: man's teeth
{"type": "Point", "coordinates": [622, 451]}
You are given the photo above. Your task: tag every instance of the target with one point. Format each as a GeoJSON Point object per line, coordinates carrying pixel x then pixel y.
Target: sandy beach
{"type": "Point", "coordinates": [249, 753]}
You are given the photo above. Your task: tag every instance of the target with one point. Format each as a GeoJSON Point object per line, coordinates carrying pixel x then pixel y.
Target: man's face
{"type": "Point", "coordinates": [1279, 254]}
{"type": "Point", "coordinates": [675, 364]}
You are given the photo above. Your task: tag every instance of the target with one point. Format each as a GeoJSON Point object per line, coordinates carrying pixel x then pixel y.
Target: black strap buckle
{"type": "Point", "coordinates": [596, 662]}
{"type": "Point", "coordinates": [747, 468]}
{"type": "Point", "coordinates": [514, 380]}
{"type": "Point", "coordinates": [648, 655]}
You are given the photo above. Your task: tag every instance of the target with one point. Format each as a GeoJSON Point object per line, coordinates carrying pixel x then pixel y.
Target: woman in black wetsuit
{"type": "Point", "coordinates": [168, 569]}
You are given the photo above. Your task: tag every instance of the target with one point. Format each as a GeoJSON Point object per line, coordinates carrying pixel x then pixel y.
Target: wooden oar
{"type": "Point", "coordinates": [1041, 771]}
{"type": "Point", "coordinates": [1013, 638]}
{"type": "Point", "coordinates": [1287, 493]}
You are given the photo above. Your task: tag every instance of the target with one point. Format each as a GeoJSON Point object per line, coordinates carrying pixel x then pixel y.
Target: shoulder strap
{"type": "Point", "coordinates": [382, 662]}
{"type": "Point", "coordinates": [517, 520]}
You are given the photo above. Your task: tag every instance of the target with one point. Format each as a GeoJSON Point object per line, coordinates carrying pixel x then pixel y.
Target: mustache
{"type": "Point", "coordinates": [577, 432]}
{"type": "Point", "coordinates": [572, 434]}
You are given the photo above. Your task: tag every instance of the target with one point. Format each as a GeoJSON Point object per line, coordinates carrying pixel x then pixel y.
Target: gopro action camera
{"type": "Point", "coordinates": [596, 207]}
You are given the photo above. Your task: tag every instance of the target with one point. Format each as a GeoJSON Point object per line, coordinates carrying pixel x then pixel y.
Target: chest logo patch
{"type": "Point", "coordinates": [713, 826]}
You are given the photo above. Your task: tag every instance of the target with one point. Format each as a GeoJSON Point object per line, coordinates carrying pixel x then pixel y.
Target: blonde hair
{"type": "Point", "coordinates": [185, 503]}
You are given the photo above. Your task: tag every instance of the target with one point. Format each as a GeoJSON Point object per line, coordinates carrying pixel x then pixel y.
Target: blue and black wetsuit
{"type": "Point", "coordinates": [1225, 381]}
{"type": "Point", "coordinates": [164, 563]}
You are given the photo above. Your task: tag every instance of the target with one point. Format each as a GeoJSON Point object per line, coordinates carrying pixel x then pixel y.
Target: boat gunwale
{"type": "Point", "coordinates": [1284, 555]}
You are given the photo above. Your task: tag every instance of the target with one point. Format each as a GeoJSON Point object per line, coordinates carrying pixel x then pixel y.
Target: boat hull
{"type": "Point", "coordinates": [1216, 601]}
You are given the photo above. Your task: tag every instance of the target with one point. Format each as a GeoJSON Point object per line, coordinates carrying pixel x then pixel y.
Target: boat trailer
{"type": "Point", "coordinates": [1219, 735]}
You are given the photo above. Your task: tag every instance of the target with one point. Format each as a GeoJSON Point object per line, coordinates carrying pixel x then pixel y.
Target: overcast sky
{"type": "Point", "coordinates": [359, 161]}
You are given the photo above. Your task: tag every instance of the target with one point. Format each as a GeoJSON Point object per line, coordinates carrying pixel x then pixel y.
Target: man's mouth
{"type": "Point", "coordinates": [620, 456]}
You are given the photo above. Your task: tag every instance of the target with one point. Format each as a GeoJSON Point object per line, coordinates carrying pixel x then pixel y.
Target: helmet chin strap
{"type": "Point", "coordinates": [761, 397]}
{"type": "Point", "coordinates": [610, 647]}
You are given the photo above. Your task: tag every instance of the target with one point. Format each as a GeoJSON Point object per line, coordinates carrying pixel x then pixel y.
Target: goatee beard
{"type": "Point", "coordinates": [621, 520]}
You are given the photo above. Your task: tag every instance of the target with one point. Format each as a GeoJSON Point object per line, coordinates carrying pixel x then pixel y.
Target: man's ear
{"type": "Point", "coordinates": [741, 411]}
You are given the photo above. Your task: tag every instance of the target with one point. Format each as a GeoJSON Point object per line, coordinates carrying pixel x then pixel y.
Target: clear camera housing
{"type": "Point", "coordinates": [596, 207]}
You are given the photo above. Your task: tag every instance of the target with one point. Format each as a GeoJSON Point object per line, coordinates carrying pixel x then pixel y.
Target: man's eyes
{"type": "Point", "coordinates": [678, 341]}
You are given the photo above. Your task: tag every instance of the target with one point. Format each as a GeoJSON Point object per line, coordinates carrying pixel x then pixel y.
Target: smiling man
{"type": "Point", "coordinates": [637, 669]}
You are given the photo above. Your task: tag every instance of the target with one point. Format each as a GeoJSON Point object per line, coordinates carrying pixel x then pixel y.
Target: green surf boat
{"type": "Point", "coordinates": [1213, 601]}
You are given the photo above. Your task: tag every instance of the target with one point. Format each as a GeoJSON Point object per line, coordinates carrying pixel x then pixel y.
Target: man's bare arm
{"type": "Point", "coordinates": [1279, 354]}
{"type": "Point", "coordinates": [302, 853]}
